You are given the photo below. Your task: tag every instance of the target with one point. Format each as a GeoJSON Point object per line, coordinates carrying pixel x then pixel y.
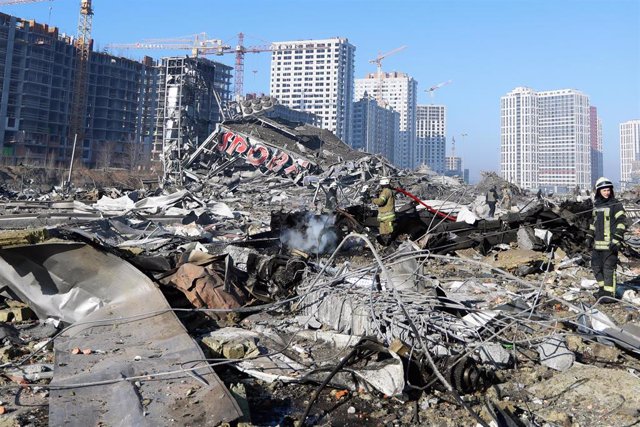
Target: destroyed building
{"type": "Point", "coordinates": [240, 292]}
{"type": "Point", "coordinates": [187, 106]}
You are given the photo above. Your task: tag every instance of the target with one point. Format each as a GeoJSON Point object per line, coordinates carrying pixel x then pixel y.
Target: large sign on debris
{"type": "Point", "coordinates": [260, 154]}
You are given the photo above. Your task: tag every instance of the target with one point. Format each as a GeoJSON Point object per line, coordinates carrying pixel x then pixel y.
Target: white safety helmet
{"type": "Point", "coordinates": [603, 182]}
{"type": "Point", "coordinates": [384, 181]}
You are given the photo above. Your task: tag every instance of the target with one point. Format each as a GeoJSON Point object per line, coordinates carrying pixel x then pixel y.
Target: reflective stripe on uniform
{"type": "Point", "coordinates": [601, 246]}
{"type": "Point", "coordinates": [603, 243]}
{"type": "Point", "coordinates": [619, 214]}
{"type": "Point", "coordinates": [387, 217]}
{"type": "Point", "coordinates": [611, 288]}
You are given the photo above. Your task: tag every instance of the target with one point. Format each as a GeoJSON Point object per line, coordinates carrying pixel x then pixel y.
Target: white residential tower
{"type": "Point", "coordinates": [629, 153]}
{"type": "Point", "coordinates": [545, 139]}
{"type": "Point", "coordinates": [431, 128]}
{"type": "Point", "coordinates": [316, 76]}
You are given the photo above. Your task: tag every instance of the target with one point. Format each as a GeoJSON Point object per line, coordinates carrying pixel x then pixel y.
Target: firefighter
{"type": "Point", "coordinates": [606, 233]}
{"type": "Point", "coordinates": [331, 197]}
{"type": "Point", "coordinates": [506, 198]}
{"type": "Point", "coordinates": [386, 210]}
{"type": "Point", "coordinates": [492, 198]}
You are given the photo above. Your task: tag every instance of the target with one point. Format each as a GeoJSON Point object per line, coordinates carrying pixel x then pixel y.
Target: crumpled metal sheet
{"type": "Point", "coordinates": [302, 358]}
{"type": "Point", "coordinates": [77, 283]}
{"type": "Point", "coordinates": [204, 287]}
{"type": "Point", "coordinates": [153, 204]}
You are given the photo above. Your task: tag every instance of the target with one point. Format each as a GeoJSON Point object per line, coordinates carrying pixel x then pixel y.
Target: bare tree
{"type": "Point", "coordinates": [134, 154]}
{"type": "Point", "coordinates": [106, 152]}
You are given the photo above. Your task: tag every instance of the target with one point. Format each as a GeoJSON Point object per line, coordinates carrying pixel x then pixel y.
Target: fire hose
{"type": "Point", "coordinates": [427, 207]}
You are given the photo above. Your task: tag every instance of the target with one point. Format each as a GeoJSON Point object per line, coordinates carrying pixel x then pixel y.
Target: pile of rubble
{"type": "Point", "coordinates": [253, 288]}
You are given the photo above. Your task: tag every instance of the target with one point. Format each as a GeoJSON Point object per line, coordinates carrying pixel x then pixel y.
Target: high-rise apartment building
{"type": "Point", "coordinates": [400, 92]}
{"type": "Point", "coordinates": [564, 140]}
{"type": "Point", "coordinates": [431, 128]}
{"type": "Point", "coordinates": [545, 139]}
{"type": "Point", "coordinates": [629, 153]}
{"type": "Point", "coordinates": [595, 135]}
{"type": "Point", "coordinates": [519, 137]}
{"type": "Point", "coordinates": [316, 76]}
{"type": "Point", "coordinates": [375, 128]}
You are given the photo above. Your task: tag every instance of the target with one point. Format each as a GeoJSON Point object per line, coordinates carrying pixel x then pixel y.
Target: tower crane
{"type": "Point", "coordinates": [240, 50]}
{"type": "Point", "coordinates": [201, 45]}
{"type": "Point", "coordinates": [378, 61]}
{"type": "Point", "coordinates": [432, 89]}
{"type": "Point", "coordinates": [83, 46]}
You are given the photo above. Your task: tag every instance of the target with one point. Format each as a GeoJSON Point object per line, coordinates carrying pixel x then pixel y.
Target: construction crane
{"type": "Point", "coordinates": [201, 45]}
{"type": "Point", "coordinates": [453, 146]}
{"type": "Point", "coordinates": [378, 61]}
{"type": "Point", "coordinates": [432, 89]}
{"type": "Point", "coordinates": [240, 50]}
{"type": "Point", "coordinates": [198, 44]}
{"type": "Point", "coordinates": [9, 2]}
{"type": "Point", "coordinates": [83, 46]}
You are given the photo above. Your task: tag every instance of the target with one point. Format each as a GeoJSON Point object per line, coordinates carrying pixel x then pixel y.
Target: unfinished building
{"type": "Point", "coordinates": [37, 70]}
{"type": "Point", "coordinates": [187, 106]}
{"type": "Point", "coordinates": [120, 111]}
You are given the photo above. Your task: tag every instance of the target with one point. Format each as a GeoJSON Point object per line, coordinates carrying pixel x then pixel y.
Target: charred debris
{"type": "Point", "coordinates": [249, 286]}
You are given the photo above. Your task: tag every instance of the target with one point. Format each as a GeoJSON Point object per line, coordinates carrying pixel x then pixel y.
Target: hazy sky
{"type": "Point", "coordinates": [487, 47]}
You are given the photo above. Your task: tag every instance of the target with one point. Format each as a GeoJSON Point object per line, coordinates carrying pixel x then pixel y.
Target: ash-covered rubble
{"type": "Point", "coordinates": [240, 291]}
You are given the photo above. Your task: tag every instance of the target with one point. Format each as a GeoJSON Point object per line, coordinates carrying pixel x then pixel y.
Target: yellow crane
{"type": "Point", "coordinates": [83, 45]}
{"type": "Point", "coordinates": [378, 61]}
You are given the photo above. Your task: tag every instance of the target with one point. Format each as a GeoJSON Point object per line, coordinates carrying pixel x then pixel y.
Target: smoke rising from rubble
{"type": "Point", "coordinates": [316, 235]}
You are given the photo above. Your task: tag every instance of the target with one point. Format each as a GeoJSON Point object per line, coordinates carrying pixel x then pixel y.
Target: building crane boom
{"type": "Point", "coordinates": [378, 61]}
{"type": "Point", "coordinates": [201, 45]}
{"type": "Point", "coordinates": [10, 2]}
{"type": "Point", "coordinates": [432, 89]}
